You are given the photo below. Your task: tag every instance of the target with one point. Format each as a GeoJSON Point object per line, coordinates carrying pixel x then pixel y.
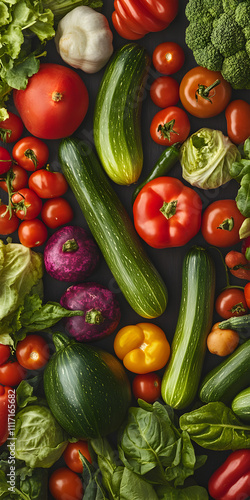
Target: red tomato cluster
{"type": "Point", "coordinates": [133, 19]}
{"type": "Point", "coordinates": [29, 182]}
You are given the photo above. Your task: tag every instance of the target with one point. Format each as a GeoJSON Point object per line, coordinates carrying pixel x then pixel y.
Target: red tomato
{"type": "Point", "coordinates": [139, 13]}
{"type": "Point", "coordinates": [54, 103]}
{"type": "Point", "coordinates": [221, 222]}
{"type": "Point", "coordinates": [26, 203]}
{"type": "Point", "coordinates": [48, 184]}
{"type": "Point", "coordinates": [123, 22]}
{"type": "Point", "coordinates": [8, 224]}
{"type": "Point", "coordinates": [56, 212]}
{"type": "Point", "coordinates": [32, 233]}
{"type": "Point", "coordinates": [167, 213]}
{"type": "Point", "coordinates": [12, 373]}
{"type": "Point", "coordinates": [123, 27]}
{"type": "Point", "coordinates": [30, 153]}
{"type": "Point", "coordinates": [238, 120]}
{"type": "Point", "coordinates": [18, 179]}
{"type": "Point", "coordinates": [147, 387]}
{"type": "Point", "coordinates": [170, 125]}
{"type": "Point", "coordinates": [231, 302]}
{"type": "Point", "coordinates": [164, 91]}
{"type": "Point", "coordinates": [5, 160]}
{"type": "Point", "coordinates": [32, 352]}
{"type": "Point", "coordinates": [4, 353]}
{"type": "Point", "coordinates": [247, 294]}
{"type": "Point", "coordinates": [64, 484]}
{"type": "Point", "coordinates": [168, 58]}
{"type": "Point", "coordinates": [11, 129]}
{"type": "Point", "coordinates": [196, 97]}
{"type": "Point", "coordinates": [72, 457]}
{"type": "Point", "coordinates": [166, 10]}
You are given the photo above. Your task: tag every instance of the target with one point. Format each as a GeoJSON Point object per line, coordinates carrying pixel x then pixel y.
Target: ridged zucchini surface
{"type": "Point", "coordinates": [117, 115]}
{"type": "Point", "coordinates": [113, 229]}
{"type": "Point", "coordinates": [241, 404]}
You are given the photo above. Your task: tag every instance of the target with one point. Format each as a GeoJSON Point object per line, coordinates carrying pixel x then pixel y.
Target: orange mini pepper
{"type": "Point", "coordinates": [143, 348]}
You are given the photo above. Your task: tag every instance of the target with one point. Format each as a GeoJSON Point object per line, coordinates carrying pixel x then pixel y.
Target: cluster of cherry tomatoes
{"type": "Point", "coordinates": [36, 200]}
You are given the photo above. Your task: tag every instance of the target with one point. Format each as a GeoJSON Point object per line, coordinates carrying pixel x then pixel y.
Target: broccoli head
{"type": "Point", "coordinates": [219, 36]}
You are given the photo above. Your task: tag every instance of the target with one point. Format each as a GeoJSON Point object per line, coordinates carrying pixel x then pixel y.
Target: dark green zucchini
{"type": "Point", "coordinates": [228, 378]}
{"type": "Point", "coordinates": [166, 161]}
{"type": "Point", "coordinates": [117, 114]}
{"type": "Point", "coordinates": [181, 378]}
{"type": "Point", "coordinates": [112, 229]}
{"type": "Point", "coordinates": [87, 389]}
{"type": "Point", "coordinates": [241, 405]}
{"type": "Point", "coordinates": [236, 323]}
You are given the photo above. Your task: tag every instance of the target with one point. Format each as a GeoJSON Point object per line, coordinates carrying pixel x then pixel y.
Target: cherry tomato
{"type": "Point", "coordinates": [4, 353]}
{"type": "Point", "coordinates": [196, 96]}
{"type": "Point", "coordinates": [170, 125]}
{"type": "Point", "coordinates": [221, 222]}
{"type": "Point", "coordinates": [164, 91]}
{"type": "Point", "coordinates": [5, 160]}
{"type": "Point", "coordinates": [48, 184]}
{"type": "Point", "coordinates": [238, 120]}
{"type": "Point", "coordinates": [231, 302]}
{"type": "Point", "coordinates": [30, 153]}
{"type": "Point", "coordinates": [56, 212]}
{"type": "Point", "coordinates": [147, 387]}
{"type": "Point", "coordinates": [54, 103]}
{"type": "Point", "coordinates": [8, 225]}
{"type": "Point", "coordinates": [11, 129]}
{"type": "Point", "coordinates": [64, 484]}
{"type": "Point", "coordinates": [32, 352]}
{"type": "Point", "coordinates": [26, 203]}
{"type": "Point", "coordinates": [18, 179]}
{"type": "Point", "coordinates": [12, 373]}
{"type": "Point", "coordinates": [72, 457]}
{"type": "Point", "coordinates": [32, 233]}
{"type": "Point", "coordinates": [247, 294]}
{"type": "Point", "coordinates": [168, 58]}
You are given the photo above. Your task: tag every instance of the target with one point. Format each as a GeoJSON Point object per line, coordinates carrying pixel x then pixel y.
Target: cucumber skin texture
{"type": "Point", "coordinates": [227, 379]}
{"type": "Point", "coordinates": [86, 397]}
{"type": "Point", "coordinates": [181, 378]}
{"type": "Point", "coordinates": [117, 115]}
{"type": "Point", "coordinates": [112, 229]}
{"type": "Point", "coordinates": [241, 405]}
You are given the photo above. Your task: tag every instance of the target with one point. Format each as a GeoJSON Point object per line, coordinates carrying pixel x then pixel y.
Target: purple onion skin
{"type": "Point", "coordinates": [87, 297]}
{"type": "Point", "coordinates": [71, 266]}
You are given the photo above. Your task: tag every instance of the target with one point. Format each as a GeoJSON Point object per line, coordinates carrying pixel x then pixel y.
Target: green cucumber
{"type": "Point", "coordinates": [166, 161]}
{"type": "Point", "coordinates": [241, 405]}
{"type": "Point", "coordinates": [117, 114]}
{"type": "Point", "coordinates": [181, 378]}
{"type": "Point", "coordinates": [231, 376]}
{"type": "Point", "coordinates": [112, 229]}
{"type": "Point", "coordinates": [87, 389]}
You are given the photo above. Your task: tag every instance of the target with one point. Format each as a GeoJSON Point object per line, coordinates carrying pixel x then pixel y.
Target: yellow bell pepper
{"type": "Point", "coordinates": [143, 348]}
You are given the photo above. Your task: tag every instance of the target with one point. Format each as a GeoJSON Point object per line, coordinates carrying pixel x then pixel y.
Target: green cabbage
{"type": "Point", "coordinates": [39, 439]}
{"type": "Point", "coordinates": [206, 157]}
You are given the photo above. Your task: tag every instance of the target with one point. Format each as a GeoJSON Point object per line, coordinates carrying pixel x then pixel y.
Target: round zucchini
{"type": "Point", "coordinates": [87, 389]}
{"type": "Point", "coordinates": [181, 378]}
{"type": "Point", "coordinates": [117, 115]}
{"type": "Point", "coordinates": [241, 405]}
{"type": "Point", "coordinates": [112, 229]}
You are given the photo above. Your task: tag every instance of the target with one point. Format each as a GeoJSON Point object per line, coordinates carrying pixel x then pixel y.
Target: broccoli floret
{"type": "Point", "coordinates": [198, 35]}
{"type": "Point", "coordinates": [219, 36]}
{"type": "Point", "coordinates": [209, 57]}
{"type": "Point", "coordinates": [227, 36]}
{"type": "Point", "coordinates": [242, 14]}
{"type": "Point", "coordinates": [236, 70]}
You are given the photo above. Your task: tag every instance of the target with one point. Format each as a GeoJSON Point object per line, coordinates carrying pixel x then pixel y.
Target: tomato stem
{"type": "Point", "coordinates": [70, 246]}
{"type": "Point", "coordinates": [166, 129]}
{"type": "Point", "coordinates": [227, 224]}
{"type": "Point", "coordinates": [169, 209]}
{"type": "Point", "coordinates": [57, 96]}
{"type": "Point", "coordinates": [203, 90]}
{"type": "Point", "coordinates": [29, 153]}
{"type": "Point", "coordinates": [94, 317]}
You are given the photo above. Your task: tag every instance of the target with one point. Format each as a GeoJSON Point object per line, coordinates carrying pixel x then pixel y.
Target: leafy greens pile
{"type": "Point", "coordinates": [25, 26]}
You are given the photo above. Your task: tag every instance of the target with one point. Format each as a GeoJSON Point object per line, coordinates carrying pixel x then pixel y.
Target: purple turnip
{"type": "Point", "coordinates": [71, 254]}
{"type": "Point", "coordinates": [101, 308]}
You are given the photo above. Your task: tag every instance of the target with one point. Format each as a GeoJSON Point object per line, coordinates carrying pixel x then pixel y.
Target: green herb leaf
{"type": "Point", "coordinates": [243, 196]}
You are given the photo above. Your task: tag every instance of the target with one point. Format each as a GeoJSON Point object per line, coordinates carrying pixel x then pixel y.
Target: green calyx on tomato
{"type": "Point", "coordinates": [169, 209]}
{"type": "Point", "coordinates": [29, 153]}
{"type": "Point", "coordinates": [166, 129]}
{"type": "Point", "coordinates": [204, 91]}
{"type": "Point", "coordinates": [227, 224]}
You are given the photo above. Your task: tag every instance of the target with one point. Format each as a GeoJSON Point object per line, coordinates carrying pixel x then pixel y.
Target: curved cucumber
{"type": "Point", "coordinates": [241, 405]}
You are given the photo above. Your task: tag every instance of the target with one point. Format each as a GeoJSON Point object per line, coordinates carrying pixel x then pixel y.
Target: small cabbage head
{"type": "Point", "coordinates": [206, 157]}
{"type": "Point", "coordinates": [39, 439]}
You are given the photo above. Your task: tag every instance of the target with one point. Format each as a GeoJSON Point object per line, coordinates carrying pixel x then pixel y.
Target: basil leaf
{"type": "Point", "coordinates": [214, 426]}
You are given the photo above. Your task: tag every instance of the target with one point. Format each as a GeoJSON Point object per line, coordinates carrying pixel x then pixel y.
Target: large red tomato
{"type": "Point", "coordinates": [54, 103]}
